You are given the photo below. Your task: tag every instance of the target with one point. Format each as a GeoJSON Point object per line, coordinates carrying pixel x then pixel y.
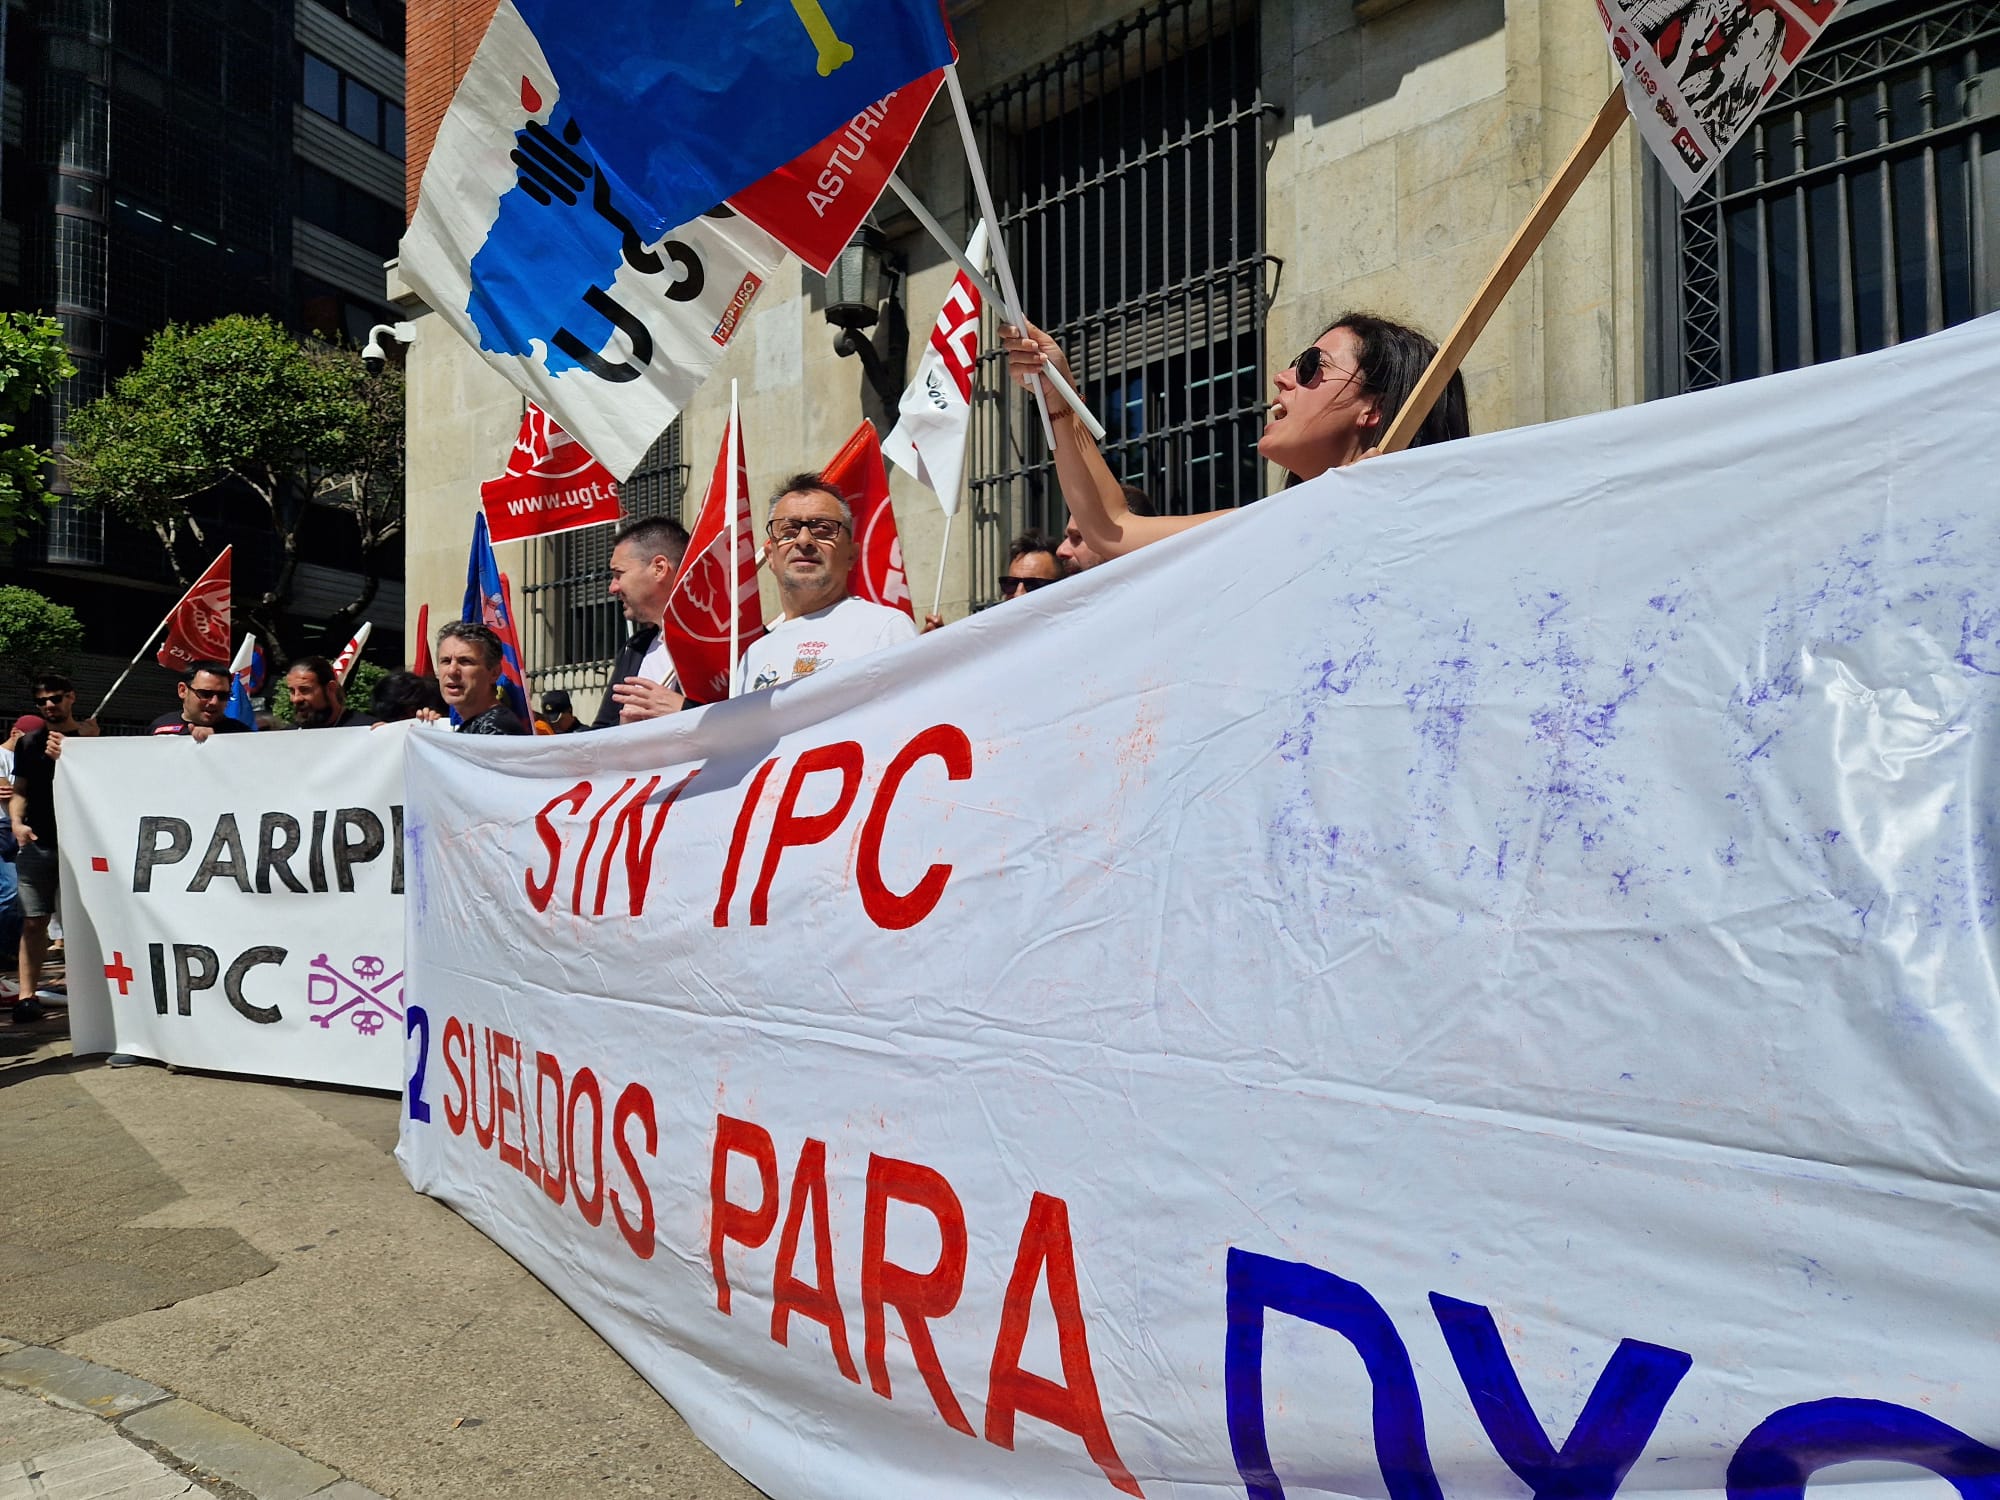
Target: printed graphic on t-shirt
{"type": "Point", "coordinates": [807, 661]}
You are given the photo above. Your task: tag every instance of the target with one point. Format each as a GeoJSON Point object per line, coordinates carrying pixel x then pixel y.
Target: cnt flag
{"type": "Point", "coordinates": [486, 602]}
{"type": "Point", "coordinates": [858, 472]}
{"type": "Point", "coordinates": [1697, 71]}
{"type": "Point", "coordinates": [198, 629]}
{"type": "Point", "coordinates": [247, 664]}
{"type": "Point", "coordinates": [746, 87]}
{"type": "Point", "coordinates": [532, 250]}
{"type": "Point", "coordinates": [929, 439]}
{"type": "Point", "coordinates": [552, 484]}
{"type": "Point", "coordinates": [697, 618]}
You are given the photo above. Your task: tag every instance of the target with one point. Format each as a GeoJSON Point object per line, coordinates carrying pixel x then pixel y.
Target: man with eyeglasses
{"type": "Point", "coordinates": [1032, 563]}
{"type": "Point", "coordinates": [204, 693]}
{"type": "Point", "coordinates": [812, 550]}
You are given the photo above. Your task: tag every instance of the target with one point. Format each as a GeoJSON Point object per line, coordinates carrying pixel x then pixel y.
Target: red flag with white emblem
{"type": "Point", "coordinates": [198, 629]}
{"type": "Point", "coordinates": [929, 438]}
{"type": "Point", "coordinates": [858, 473]}
{"type": "Point", "coordinates": [697, 619]}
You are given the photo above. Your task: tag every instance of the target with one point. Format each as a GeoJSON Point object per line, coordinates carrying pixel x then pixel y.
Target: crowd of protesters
{"type": "Point", "coordinates": [1333, 404]}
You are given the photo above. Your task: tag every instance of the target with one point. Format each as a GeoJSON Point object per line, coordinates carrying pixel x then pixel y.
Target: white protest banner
{"type": "Point", "coordinates": [1697, 71]}
{"type": "Point", "coordinates": [1471, 977]}
{"type": "Point", "coordinates": [238, 904]}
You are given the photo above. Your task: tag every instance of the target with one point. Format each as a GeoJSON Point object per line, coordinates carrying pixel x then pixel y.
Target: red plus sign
{"type": "Point", "coordinates": [119, 973]}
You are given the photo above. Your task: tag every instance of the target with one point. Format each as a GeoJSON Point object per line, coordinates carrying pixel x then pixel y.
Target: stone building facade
{"type": "Point", "coordinates": [1195, 188]}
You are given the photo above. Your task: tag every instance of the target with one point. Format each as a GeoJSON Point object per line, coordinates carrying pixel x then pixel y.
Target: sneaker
{"type": "Point", "coordinates": [10, 989]}
{"type": "Point", "coordinates": [122, 1060]}
{"type": "Point", "coordinates": [54, 996]}
{"type": "Point", "coordinates": [27, 1012]}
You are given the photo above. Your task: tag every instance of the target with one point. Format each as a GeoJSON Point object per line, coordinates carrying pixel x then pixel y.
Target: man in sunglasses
{"type": "Point", "coordinates": [811, 532]}
{"type": "Point", "coordinates": [204, 692]}
{"type": "Point", "coordinates": [1032, 563]}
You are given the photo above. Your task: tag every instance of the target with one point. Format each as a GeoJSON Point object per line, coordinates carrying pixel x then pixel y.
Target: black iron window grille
{"type": "Point", "coordinates": [575, 627]}
{"type": "Point", "coordinates": [1129, 177]}
{"type": "Point", "coordinates": [1860, 210]}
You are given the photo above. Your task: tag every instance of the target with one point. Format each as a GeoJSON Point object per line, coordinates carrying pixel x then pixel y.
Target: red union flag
{"type": "Point", "coordinates": [552, 484]}
{"type": "Point", "coordinates": [814, 203]}
{"type": "Point", "coordinates": [858, 472]}
{"type": "Point", "coordinates": [198, 629]}
{"type": "Point", "coordinates": [928, 442]}
{"type": "Point", "coordinates": [697, 622]}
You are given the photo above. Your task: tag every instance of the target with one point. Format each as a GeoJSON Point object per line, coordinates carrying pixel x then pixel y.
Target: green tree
{"type": "Point", "coordinates": [36, 632]}
{"type": "Point", "coordinates": [31, 362]}
{"type": "Point", "coordinates": [240, 403]}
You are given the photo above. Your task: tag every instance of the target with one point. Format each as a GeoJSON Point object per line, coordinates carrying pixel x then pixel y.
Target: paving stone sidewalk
{"type": "Point", "coordinates": [73, 1430]}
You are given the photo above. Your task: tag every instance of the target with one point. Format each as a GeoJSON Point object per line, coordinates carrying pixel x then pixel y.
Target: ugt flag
{"type": "Point", "coordinates": [486, 602]}
{"type": "Point", "coordinates": [928, 441]}
{"type": "Point", "coordinates": [531, 248]}
{"type": "Point", "coordinates": [858, 473]}
{"type": "Point", "coordinates": [552, 484]}
{"type": "Point", "coordinates": [690, 101]}
{"type": "Point", "coordinates": [697, 619]}
{"type": "Point", "coordinates": [198, 629]}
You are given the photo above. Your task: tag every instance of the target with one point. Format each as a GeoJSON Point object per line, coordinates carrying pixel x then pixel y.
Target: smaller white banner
{"type": "Point", "coordinates": [238, 904]}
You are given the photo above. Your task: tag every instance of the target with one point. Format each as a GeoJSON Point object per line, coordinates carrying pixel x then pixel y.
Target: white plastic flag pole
{"type": "Point", "coordinates": [733, 497]}
{"type": "Point", "coordinates": [1011, 299]}
{"type": "Point", "coordinates": [944, 547]}
{"type": "Point", "coordinates": [964, 263]}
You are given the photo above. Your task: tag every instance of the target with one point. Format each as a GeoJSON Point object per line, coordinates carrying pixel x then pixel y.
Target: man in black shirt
{"type": "Point", "coordinates": [468, 660]}
{"type": "Point", "coordinates": [204, 691]}
{"type": "Point", "coordinates": [645, 556]}
{"type": "Point", "coordinates": [319, 700]}
{"type": "Point", "coordinates": [32, 813]}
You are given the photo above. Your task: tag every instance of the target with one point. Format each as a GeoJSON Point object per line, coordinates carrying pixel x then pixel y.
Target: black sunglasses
{"type": "Point", "coordinates": [1009, 584]}
{"type": "Point", "coordinates": [1309, 365]}
{"type": "Point", "coordinates": [51, 697]}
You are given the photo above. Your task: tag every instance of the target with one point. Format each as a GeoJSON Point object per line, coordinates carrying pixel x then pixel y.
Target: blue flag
{"type": "Point", "coordinates": [690, 101]}
{"type": "Point", "coordinates": [246, 675]}
{"type": "Point", "coordinates": [486, 603]}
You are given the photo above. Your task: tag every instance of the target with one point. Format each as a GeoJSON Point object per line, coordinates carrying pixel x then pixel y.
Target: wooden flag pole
{"type": "Point", "coordinates": [1527, 240]}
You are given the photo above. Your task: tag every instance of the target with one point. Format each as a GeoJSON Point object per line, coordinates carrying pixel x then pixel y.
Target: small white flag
{"type": "Point", "coordinates": [936, 411]}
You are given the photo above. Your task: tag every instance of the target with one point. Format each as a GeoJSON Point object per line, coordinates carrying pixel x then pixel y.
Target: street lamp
{"type": "Point", "coordinates": [861, 279]}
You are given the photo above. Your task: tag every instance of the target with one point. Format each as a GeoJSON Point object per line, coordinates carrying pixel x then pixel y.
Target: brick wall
{"type": "Point", "coordinates": [443, 34]}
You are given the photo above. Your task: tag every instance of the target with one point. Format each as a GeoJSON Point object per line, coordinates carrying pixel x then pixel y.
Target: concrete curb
{"type": "Point", "coordinates": [225, 1458]}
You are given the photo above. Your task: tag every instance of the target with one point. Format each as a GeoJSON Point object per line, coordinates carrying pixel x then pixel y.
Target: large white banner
{"type": "Point", "coordinates": [1473, 977]}
{"type": "Point", "coordinates": [237, 904]}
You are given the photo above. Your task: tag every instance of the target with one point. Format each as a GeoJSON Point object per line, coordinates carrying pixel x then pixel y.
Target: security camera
{"type": "Point", "coordinates": [373, 356]}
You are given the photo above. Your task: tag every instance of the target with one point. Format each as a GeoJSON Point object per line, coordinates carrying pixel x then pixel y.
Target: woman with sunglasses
{"type": "Point", "coordinates": [1333, 404]}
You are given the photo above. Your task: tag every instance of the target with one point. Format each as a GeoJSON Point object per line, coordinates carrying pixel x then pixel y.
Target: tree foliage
{"type": "Point", "coordinates": [242, 404]}
{"type": "Point", "coordinates": [36, 632]}
{"type": "Point", "coordinates": [32, 361]}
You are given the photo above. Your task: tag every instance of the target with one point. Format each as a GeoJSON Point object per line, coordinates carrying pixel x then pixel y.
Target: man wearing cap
{"type": "Point", "coordinates": [557, 715]}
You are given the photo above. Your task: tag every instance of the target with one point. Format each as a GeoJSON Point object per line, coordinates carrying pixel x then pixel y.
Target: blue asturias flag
{"type": "Point", "coordinates": [691, 101]}
{"type": "Point", "coordinates": [486, 602]}
{"type": "Point", "coordinates": [246, 675]}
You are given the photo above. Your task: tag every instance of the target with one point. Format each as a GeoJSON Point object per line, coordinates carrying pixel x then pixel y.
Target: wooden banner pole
{"type": "Point", "coordinates": [1520, 250]}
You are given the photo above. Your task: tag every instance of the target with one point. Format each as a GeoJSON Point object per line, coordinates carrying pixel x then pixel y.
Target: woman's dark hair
{"type": "Point", "coordinates": [399, 695]}
{"type": "Point", "coordinates": [1393, 359]}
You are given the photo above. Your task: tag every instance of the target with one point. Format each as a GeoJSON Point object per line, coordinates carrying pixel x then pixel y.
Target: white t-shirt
{"type": "Point", "coordinates": [658, 664]}
{"type": "Point", "coordinates": [814, 642]}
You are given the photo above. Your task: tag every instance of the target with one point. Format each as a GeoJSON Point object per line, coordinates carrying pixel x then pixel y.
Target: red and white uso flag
{"type": "Point", "coordinates": [697, 619]}
{"type": "Point", "coordinates": [929, 441]}
{"type": "Point", "coordinates": [198, 629]}
{"type": "Point", "coordinates": [343, 664]}
{"type": "Point", "coordinates": [858, 473]}
{"type": "Point", "coordinates": [552, 484]}
{"type": "Point", "coordinates": [526, 244]}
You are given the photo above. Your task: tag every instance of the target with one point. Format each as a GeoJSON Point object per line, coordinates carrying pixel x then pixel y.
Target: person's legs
{"type": "Point", "coordinates": [10, 916]}
{"type": "Point", "coordinates": [38, 873]}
